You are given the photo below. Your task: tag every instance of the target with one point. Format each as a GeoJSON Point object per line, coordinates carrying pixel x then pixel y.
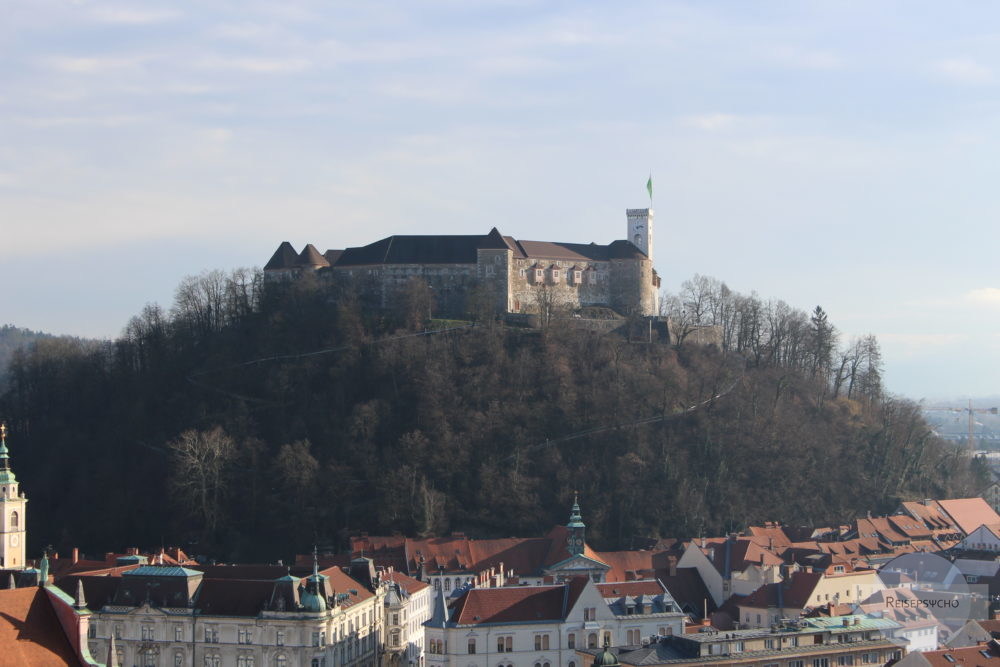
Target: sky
{"type": "Point", "coordinates": [841, 153]}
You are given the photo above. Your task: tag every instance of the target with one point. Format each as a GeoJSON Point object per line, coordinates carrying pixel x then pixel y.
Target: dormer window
{"type": "Point", "coordinates": [539, 275]}
{"type": "Point", "coordinates": [555, 274]}
{"type": "Point", "coordinates": [578, 277]}
{"type": "Point", "coordinates": [592, 277]}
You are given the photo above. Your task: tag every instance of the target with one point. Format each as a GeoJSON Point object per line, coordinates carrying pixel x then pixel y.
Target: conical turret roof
{"type": "Point", "coordinates": [311, 257]}
{"type": "Point", "coordinates": [284, 257]}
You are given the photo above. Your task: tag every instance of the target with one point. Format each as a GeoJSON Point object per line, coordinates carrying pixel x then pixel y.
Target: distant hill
{"type": "Point", "coordinates": [13, 338]}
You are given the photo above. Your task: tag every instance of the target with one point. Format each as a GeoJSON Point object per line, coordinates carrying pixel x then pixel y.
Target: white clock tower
{"type": "Point", "coordinates": [12, 515]}
{"type": "Point", "coordinates": [640, 229]}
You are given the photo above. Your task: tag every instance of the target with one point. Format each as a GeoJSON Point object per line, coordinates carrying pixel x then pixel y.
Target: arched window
{"type": "Point", "coordinates": [14, 520]}
{"type": "Point", "coordinates": [638, 239]}
{"type": "Point", "coordinates": [571, 641]}
{"type": "Point", "coordinates": [592, 640]}
{"type": "Point", "coordinates": [447, 584]}
{"type": "Point", "coordinates": [281, 661]}
{"type": "Point", "coordinates": [572, 663]}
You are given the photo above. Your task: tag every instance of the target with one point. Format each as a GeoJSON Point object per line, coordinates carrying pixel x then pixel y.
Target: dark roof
{"type": "Point", "coordinates": [456, 249]}
{"type": "Point", "coordinates": [234, 597]}
{"type": "Point", "coordinates": [284, 257]}
{"type": "Point", "coordinates": [688, 588]}
{"type": "Point", "coordinates": [440, 249]}
{"type": "Point", "coordinates": [332, 256]}
{"type": "Point", "coordinates": [494, 241]}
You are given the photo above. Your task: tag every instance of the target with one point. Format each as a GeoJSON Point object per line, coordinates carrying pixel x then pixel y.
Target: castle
{"type": "Point", "coordinates": [516, 276]}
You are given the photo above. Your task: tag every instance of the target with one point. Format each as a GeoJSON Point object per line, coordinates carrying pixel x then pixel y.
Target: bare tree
{"type": "Point", "coordinates": [200, 460]}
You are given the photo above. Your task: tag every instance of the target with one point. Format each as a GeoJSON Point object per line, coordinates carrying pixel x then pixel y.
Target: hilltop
{"type": "Point", "coordinates": [255, 418]}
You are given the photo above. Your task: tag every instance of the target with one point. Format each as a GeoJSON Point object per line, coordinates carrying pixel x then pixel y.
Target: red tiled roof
{"type": "Point", "coordinates": [969, 513]}
{"type": "Point", "coordinates": [407, 583]}
{"type": "Point", "coordinates": [631, 588]}
{"type": "Point", "coordinates": [769, 535]}
{"type": "Point", "coordinates": [520, 604]}
{"type": "Point", "coordinates": [796, 592]}
{"type": "Point", "coordinates": [972, 656]}
{"type": "Point", "coordinates": [30, 632]}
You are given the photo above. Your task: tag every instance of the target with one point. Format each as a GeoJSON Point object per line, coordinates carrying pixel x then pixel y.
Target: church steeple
{"type": "Point", "coordinates": [12, 515]}
{"type": "Point", "coordinates": [577, 529]}
{"type": "Point", "coordinates": [6, 474]}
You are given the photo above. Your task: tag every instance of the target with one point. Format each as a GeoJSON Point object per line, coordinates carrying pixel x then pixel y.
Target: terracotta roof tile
{"type": "Point", "coordinates": [520, 604]}
{"type": "Point", "coordinates": [30, 632]}
{"type": "Point", "coordinates": [407, 583]}
{"type": "Point", "coordinates": [969, 513]}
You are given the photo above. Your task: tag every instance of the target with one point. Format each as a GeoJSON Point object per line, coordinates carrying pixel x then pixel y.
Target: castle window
{"type": "Point", "coordinates": [578, 277]}
{"type": "Point", "coordinates": [13, 520]}
{"type": "Point", "coordinates": [592, 277]}
{"type": "Point", "coordinates": [539, 275]}
{"type": "Point", "coordinates": [555, 275]}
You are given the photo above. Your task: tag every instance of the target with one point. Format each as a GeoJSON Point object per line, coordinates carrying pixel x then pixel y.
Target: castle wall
{"type": "Point", "coordinates": [450, 283]}
{"type": "Point", "coordinates": [529, 293]}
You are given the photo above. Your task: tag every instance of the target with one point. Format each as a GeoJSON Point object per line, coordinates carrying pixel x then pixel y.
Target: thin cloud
{"type": "Point", "coordinates": [985, 296]}
{"type": "Point", "coordinates": [92, 65]}
{"type": "Point", "coordinates": [710, 121]}
{"type": "Point", "coordinates": [133, 16]}
{"type": "Point", "coordinates": [257, 65]}
{"type": "Point", "coordinates": [963, 70]}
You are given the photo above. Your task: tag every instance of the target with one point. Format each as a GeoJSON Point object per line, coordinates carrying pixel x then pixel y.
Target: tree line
{"type": "Point", "coordinates": [255, 418]}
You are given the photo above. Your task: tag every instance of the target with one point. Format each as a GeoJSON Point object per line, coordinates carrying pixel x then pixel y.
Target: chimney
{"type": "Point", "coordinates": [75, 555]}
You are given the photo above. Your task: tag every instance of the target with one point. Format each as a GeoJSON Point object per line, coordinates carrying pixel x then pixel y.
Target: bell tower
{"type": "Point", "coordinates": [574, 542]}
{"type": "Point", "coordinates": [12, 515]}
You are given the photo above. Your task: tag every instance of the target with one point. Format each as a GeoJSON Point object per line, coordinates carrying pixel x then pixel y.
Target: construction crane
{"type": "Point", "coordinates": [972, 420]}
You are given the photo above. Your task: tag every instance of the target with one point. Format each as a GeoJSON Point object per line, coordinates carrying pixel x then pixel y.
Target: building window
{"type": "Point", "coordinates": [821, 662]}
{"type": "Point", "coordinates": [279, 638]}
{"type": "Point", "coordinates": [592, 640]}
{"type": "Point", "coordinates": [281, 661]}
{"type": "Point", "coordinates": [538, 642]}
{"type": "Point", "coordinates": [607, 638]}
{"type": "Point", "coordinates": [244, 636]}
{"type": "Point", "coordinates": [539, 275]}
{"type": "Point", "coordinates": [555, 275]}
{"type": "Point", "coordinates": [592, 277]}
{"type": "Point", "coordinates": [769, 643]}
{"type": "Point", "coordinates": [244, 661]}
{"type": "Point", "coordinates": [13, 520]}
{"type": "Point", "coordinates": [213, 661]}
{"type": "Point", "coordinates": [178, 659]}
{"type": "Point", "coordinates": [118, 631]}
{"type": "Point", "coordinates": [590, 614]}
{"type": "Point", "coordinates": [146, 632]}
{"type": "Point", "coordinates": [845, 660]}
{"type": "Point", "coordinates": [148, 659]}
{"type": "Point", "coordinates": [795, 663]}
{"type": "Point", "coordinates": [472, 646]}
{"type": "Point", "coordinates": [571, 640]}
{"type": "Point", "coordinates": [395, 619]}
{"type": "Point", "coordinates": [92, 631]}
{"type": "Point", "coordinates": [178, 633]}
{"type": "Point", "coordinates": [211, 636]}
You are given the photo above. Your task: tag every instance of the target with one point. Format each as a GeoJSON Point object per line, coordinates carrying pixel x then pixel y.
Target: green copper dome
{"type": "Point", "coordinates": [606, 658]}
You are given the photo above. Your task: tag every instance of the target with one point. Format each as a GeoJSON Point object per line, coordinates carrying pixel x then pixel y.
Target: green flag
{"type": "Point", "coordinates": [649, 187]}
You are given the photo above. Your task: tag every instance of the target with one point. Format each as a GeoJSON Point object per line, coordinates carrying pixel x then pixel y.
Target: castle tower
{"type": "Point", "coordinates": [12, 514]}
{"type": "Point", "coordinates": [640, 229]}
{"type": "Point", "coordinates": [574, 542]}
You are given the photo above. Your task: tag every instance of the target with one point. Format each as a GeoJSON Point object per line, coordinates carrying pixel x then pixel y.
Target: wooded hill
{"type": "Point", "coordinates": [254, 419]}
